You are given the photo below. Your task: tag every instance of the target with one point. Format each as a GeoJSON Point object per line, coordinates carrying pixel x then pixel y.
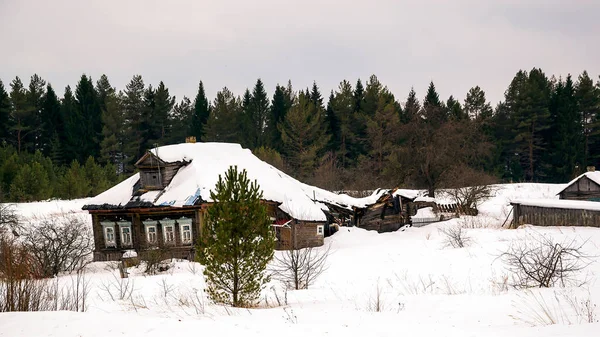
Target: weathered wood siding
{"type": "Point", "coordinates": [542, 216]}
{"type": "Point", "coordinates": [582, 189]}
{"type": "Point", "coordinates": [299, 235]}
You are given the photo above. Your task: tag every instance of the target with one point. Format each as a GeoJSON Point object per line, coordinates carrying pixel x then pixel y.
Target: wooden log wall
{"type": "Point", "coordinates": [543, 216]}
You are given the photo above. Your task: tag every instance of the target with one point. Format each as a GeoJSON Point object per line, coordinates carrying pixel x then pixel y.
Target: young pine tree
{"type": "Point", "coordinates": [238, 242]}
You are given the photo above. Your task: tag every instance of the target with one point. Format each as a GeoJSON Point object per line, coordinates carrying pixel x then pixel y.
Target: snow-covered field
{"type": "Point", "coordinates": [423, 289]}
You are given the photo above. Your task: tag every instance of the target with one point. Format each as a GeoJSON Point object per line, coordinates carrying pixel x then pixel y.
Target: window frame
{"type": "Point", "coordinates": [182, 223]}
{"type": "Point", "coordinates": [168, 223]}
{"type": "Point", "coordinates": [125, 225]}
{"type": "Point", "coordinates": [320, 230]}
{"type": "Point", "coordinates": [151, 224]}
{"type": "Point", "coordinates": [105, 226]}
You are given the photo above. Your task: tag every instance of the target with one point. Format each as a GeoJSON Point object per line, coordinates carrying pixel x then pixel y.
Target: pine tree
{"type": "Point", "coordinates": [532, 123]}
{"type": "Point", "coordinates": [52, 123]}
{"type": "Point", "coordinates": [183, 115]}
{"type": "Point", "coordinates": [225, 114]}
{"type": "Point", "coordinates": [303, 135]}
{"type": "Point", "coordinates": [96, 176]}
{"type": "Point", "coordinates": [476, 106]}
{"type": "Point", "coordinates": [238, 243]}
{"type": "Point", "coordinates": [5, 111]}
{"type": "Point", "coordinates": [74, 183]}
{"type": "Point", "coordinates": [201, 114]}
{"type": "Point", "coordinates": [30, 183]}
{"type": "Point", "coordinates": [20, 114]}
{"type": "Point", "coordinates": [588, 104]}
{"type": "Point", "coordinates": [567, 133]}
{"type": "Point", "coordinates": [351, 136]}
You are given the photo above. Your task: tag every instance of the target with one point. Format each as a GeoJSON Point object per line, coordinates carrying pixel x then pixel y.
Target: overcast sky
{"type": "Point", "coordinates": [457, 44]}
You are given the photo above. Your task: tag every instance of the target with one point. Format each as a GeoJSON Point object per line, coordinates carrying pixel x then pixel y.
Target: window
{"type": "Point", "coordinates": [185, 227]}
{"type": "Point", "coordinates": [150, 231]}
{"type": "Point", "coordinates": [109, 233]}
{"type": "Point", "coordinates": [125, 227]}
{"type": "Point", "coordinates": [319, 230]}
{"type": "Point", "coordinates": [168, 227]}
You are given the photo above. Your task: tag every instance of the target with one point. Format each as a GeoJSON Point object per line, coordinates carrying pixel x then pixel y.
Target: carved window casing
{"type": "Point", "coordinates": [151, 234]}
{"type": "Point", "coordinates": [108, 228]}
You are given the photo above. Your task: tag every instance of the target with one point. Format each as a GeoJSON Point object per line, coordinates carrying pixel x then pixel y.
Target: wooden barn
{"type": "Point", "coordinates": [391, 211]}
{"type": "Point", "coordinates": [584, 187]}
{"type": "Point", "coordinates": [164, 204]}
{"type": "Point", "coordinates": [553, 212]}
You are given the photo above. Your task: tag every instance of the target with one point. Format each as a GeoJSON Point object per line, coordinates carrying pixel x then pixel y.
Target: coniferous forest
{"type": "Point", "coordinates": [80, 141]}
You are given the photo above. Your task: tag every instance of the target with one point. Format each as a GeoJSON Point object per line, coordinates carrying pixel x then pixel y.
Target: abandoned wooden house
{"type": "Point", "coordinates": [554, 212]}
{"type": "Point", "coordinates": [584, 187]}
{"type": "Point", "coordinates": [164, 205]}
{"type": "Point", "coordinates": [391, 210]}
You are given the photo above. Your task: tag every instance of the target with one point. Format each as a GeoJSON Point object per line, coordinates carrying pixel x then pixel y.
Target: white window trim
{"type": "Point", "coordinates": [168, 223]}
{"type": "Point", "coordinates": [122, 225]}
{"type": "Point", "coordinates": [320, 230]}
{"type": "Point", "coordinates": [151, 224]}
{"type": "Point", "coordinates": [185, 222]}
{"type": "Point", "coordinates": [105, 226]}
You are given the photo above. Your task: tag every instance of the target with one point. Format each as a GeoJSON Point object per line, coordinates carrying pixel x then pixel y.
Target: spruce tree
{"type": "Point", "coordinates": [104, 91]}
{"type": "Point", "coordinates": [412, 107]}
{"type": "Point", "coordinates": [5, 111]}
{"type": "Point", "coordinates": [351, 134]}
{"type": "Point", "coordinates": [52, 123]}
{"type": "Point", "coordinates": [238, 242]}
{"type": "Point", "coordinates": [133, 106]}
{"type": "Point", "coordinates": [223, 122]}
{"type": "Point", "coordinates": [258, 115]}
{"type": "Point", "coordinates": [90, 119]}
{"type": "Point", "coordinates": [455, 110]}
{"type": "Point", "coordinates": [303, 135]}
{"type": "Point", "coordinates": [69, 140]}
{"type": "Point", "coordinates": [315, 96]}
{"type": "Point", "coordinates": [35, 99]}
{"type": "Point", "coordinates": [359, 95]}
{"type": "Point", "coordinates": [75, 183]}
{"type": "Point", "coordinates": [280, 105]}
{"type": "Point", "coordinates": [246, 125]}
{"type": "Point", "coordinates": [182, 118]}
{"type": "Point", "coordinates": [433, 109]}
{"type": "Point", "coordinates": [31, 183]}
{"type": "Point", "coordinates": [164, 104]}
{"type": "Point", "coordinates": [333, 126]}
{"type": "Point", "coordinates": [112, 147]}
{"type": "Point", "coordinates": [201, 114]}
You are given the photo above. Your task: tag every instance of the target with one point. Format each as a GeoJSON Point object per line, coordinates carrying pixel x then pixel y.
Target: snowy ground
{"type": "Point", "coordinates": [425, 289]}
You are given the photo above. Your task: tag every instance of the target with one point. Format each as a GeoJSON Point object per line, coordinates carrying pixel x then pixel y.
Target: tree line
{"type": "Point", "coordinates": [546, 129]}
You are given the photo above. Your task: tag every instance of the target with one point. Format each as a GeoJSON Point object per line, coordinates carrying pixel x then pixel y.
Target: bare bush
{"type": "Point", "coordinates": [9, 221]}
{"type": "Point", "coordinates": [154, 260]}
{"type": "Point", "coordinates": [540, 261]}
{"type": "Point", "coordinates": [23, 289]}
{"type": "Point", "coordinates": [468, 188]}
{"type": "Point", "coordinates": [455, 237]}
{"type": "Point", "coordinates": [60, 244]}
{"type": "Point", "coordinates": [299, 268]}
{"type": "Point", "coordinates": [118, 288]}
{"type": "Point", "coordinates": [375, 303]}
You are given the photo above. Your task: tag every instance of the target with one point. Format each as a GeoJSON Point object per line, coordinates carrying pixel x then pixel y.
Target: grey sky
{"type": "Point", "coordinates": [457, 44]}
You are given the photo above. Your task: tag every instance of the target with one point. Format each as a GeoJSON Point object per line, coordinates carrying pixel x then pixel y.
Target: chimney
{"type": "Point", "coordinates": [190, 139]}
{"type": "Point", "coordinates": [591, 168]}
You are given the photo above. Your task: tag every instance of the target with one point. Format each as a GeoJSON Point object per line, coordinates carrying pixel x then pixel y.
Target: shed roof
{"type": "Point", "coordinates": [593, 176]}
{"type": "Point", "coordinates": [559, 203]}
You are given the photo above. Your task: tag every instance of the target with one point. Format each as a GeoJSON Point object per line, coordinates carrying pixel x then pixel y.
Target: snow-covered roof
{"type": "Point", "coordinates": [424, 199]}
{"type": "Point", "coordinates": [206, 162]}
{"type": "Point", "coordinates": [559, 203]}
{"type": "Point", "coordinates": [593, 176]}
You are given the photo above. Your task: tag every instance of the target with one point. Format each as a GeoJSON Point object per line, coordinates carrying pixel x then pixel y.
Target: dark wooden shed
{"type": "Point", "coordinates": [584, 187]}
